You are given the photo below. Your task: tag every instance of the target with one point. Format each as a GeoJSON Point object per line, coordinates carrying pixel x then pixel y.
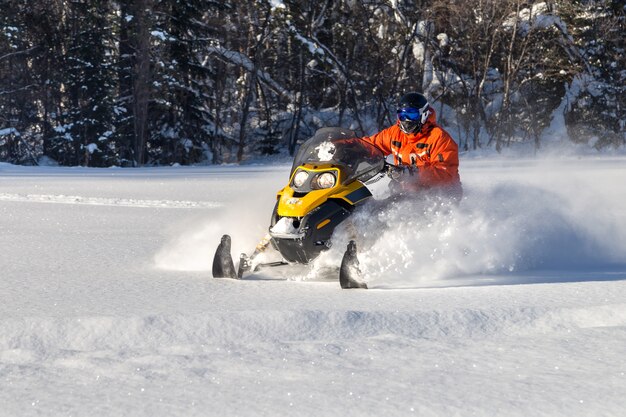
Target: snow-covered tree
{"type": "Point", "coordinates": [133, 82]}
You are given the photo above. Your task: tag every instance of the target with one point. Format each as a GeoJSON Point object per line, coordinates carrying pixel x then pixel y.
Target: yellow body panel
{"type": "Point", "coordinates": [290, 206]}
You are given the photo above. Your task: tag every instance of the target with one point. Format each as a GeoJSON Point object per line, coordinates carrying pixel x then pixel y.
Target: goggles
{"type": "Point", "coordinates": [409, 113]}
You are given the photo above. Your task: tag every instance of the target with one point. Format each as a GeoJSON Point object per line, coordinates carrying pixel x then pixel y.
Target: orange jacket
{"type": "Point", "coordinates": [432, 151]}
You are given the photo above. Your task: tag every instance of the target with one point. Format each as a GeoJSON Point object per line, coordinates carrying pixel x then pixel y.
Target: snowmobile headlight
{"type": "Point", "coordinates": [300, 178]}
{"type": "Point", "coordinates": [325, 180]}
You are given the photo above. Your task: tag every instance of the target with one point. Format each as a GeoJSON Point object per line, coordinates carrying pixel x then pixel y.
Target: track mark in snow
{"type": "Point", "coordinates": [160, 331]}
{"type": "Point", "coordinates": [101, 201]}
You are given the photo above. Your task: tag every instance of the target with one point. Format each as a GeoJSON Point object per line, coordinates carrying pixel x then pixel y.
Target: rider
{"type": "Point", "coordinates": [418, 143]}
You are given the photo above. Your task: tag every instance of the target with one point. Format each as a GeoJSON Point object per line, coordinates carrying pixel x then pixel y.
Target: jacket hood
{"type": "Point", "coordinates": [432, 118]}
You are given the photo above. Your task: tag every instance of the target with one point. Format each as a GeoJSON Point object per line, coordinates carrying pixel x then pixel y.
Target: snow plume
{"type": "Point", "coordinates": [192, 242]}
{"type": "Point", "coordinates": [500, 233]}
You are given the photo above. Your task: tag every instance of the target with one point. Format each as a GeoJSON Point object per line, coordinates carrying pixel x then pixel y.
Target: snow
{"type": "Point", "coordinates": [512, 303]}
{"type": "Point", "coordinates": [444, 40]}
{"type": "Point", "coordinates": [313, 48]}
{"type": "Point", "coordinates": [537, 17]}
{"type": "Point", "coordinates": [325, 151]}
{"type": "Point", "coordinates": [159, 34]}
{"type": "Point", "coordinates": [9, 131]}
{"type": "Point", "coordinates": [284, 228]}
{"type": "Point", "coordinates": [277, 4]}
{"type": "Point", "coordinates": [557, 130]}
{"type": "Point", "coordinates": [91, 148]}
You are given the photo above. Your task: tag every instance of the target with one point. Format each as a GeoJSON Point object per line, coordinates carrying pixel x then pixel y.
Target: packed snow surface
{"type": "Point", "coordinates": [511, 304]}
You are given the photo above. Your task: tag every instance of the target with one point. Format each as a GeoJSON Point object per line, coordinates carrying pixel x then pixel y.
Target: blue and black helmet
{"type": "Point", "coordinates": [412, 112]}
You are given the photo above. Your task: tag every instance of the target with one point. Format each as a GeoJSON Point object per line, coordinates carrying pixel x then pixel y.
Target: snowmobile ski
{"type": "Point", "coordinates": [223, 266]}
{"type": "Point", "coordinates": [350, 273]}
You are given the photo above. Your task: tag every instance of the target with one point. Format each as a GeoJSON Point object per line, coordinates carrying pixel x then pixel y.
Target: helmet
{"type": "Point", "coordinates": [412, 112]}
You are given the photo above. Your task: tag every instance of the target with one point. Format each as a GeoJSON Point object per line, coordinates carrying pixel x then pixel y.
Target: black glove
{"type": "Point", "coordinates": [400, 173]}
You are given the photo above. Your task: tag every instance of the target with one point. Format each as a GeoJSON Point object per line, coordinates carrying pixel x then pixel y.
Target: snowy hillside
{"type": "Point", "coordinates": [516, 307]}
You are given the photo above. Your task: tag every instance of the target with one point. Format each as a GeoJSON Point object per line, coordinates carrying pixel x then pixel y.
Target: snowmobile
{"type": "Point", "coordinates": [327, 181]}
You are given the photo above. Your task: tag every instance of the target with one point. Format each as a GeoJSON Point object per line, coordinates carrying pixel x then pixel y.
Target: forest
{"type": "Point", "coordinates": [103, 83]}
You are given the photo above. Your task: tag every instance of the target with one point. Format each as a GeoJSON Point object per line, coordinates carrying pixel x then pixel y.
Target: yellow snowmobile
{"type": "Point", "coordinates": [326, 183]}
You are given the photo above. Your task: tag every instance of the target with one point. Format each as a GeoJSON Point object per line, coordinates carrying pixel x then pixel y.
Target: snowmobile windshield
{"type": "Point", "coordinates": [341, 147]}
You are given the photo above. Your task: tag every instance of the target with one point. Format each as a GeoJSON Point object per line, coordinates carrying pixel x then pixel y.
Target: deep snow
{"type": "Point", "coordinates": [511, 304]}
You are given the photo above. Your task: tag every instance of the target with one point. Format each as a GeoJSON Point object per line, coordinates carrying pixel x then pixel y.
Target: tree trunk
{"type": "Point", "coordinates": [245, 112]}
{"type": "Point", "coordinates": [295, 123]}
{"type": "Point", "coordinates": [141, 83]}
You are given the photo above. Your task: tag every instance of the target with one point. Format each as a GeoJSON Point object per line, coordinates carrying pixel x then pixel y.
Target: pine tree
{"type": "Point", "coordinates": [18, 85]}
{"type": "Point", "coordinates": [598, 107]}
{"type": "Point", "coordinates": [181, 119]}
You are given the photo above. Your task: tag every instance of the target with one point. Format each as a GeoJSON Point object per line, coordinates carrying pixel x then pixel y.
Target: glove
{"type": "Point", "coordinates": [401, 173]}
{"type": "Point", "coordinates": [395, 172]}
